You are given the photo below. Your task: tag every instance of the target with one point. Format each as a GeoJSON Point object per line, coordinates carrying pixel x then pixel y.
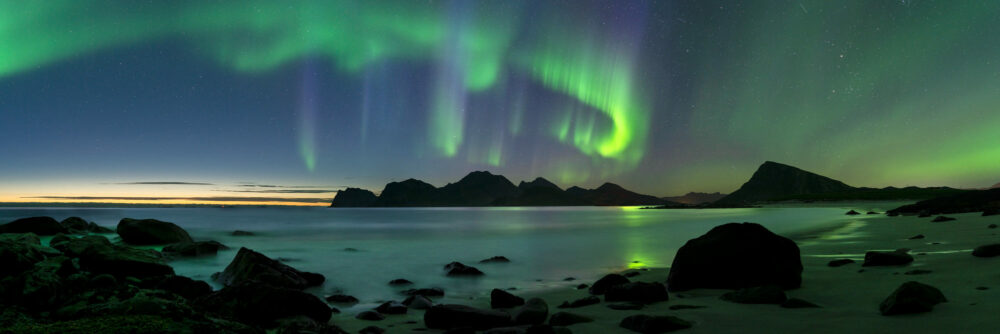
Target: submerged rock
{"type": "Point", "coordinates": [400, 281]}
{"type": "Point", "coordinates": [240, 233]}
{"type": "Point", "coordinates": [852, 213]}
{"type": "Point", "coordinates": [249, 265]}
{"type": "Point", "coordinates": [370, 316]}
{"type": "Point", "coordinates": [939, 219]}
{"type": "Point", "coordinates": [585, 301]}
{"type": "Point", "coordinates": [912, 297]}
{"type": "Point", "coordinates": [342, 299]}
{"type": "Point", "coordinates": [916, 237]}
{"type": "Point", "coordinates": [734, 256]}
{"type": "Point", "coordinates": [839, 262]}
{"type": "Point", "coordinates": [151, 232]}
{"type": "Point", "coordinates": [894, 258]}
{"type": "Point", "coordinates": [36, 225]}
{"type": "Point", "coordinates": [391, 308]}
{"type": "Point", "coordinates": [449, 316]}
{"type": "Point", "coordinates": [426, 292]}
{"type": "Point", "coordinates": [653, 324]}
{"type": "Point", "coordinates": [504, 299]}
{"type": "Point", "coordinates": [418, 302]}
{"type": "Point", "coordinates": [496, 259]}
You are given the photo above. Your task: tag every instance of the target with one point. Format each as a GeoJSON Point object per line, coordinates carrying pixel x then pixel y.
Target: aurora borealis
{"type": "Point", "coordinates": [662, 97]}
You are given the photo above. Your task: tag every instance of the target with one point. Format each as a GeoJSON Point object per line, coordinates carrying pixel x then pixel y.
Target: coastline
{"type": "Point", "coordinates": [849, 296]}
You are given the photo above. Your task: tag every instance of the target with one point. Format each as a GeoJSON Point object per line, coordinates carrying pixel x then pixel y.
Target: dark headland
{"type": "Point", "coordinates": [483, 188]}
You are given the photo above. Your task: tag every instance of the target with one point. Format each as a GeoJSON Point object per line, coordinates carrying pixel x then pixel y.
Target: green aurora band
{"type": "Point", "coordinates": [469, 42]}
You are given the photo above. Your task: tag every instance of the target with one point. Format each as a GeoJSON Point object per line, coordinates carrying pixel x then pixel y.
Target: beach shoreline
{"type": "Point", "coordinates": [849, 295]}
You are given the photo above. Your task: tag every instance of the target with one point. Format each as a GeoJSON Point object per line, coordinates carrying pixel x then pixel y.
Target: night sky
{"type": "Point", "coordinates": [247, 101]}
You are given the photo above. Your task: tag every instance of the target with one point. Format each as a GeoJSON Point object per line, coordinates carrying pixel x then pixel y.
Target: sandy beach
{"type": "Point", "coordinates": [849, 295]}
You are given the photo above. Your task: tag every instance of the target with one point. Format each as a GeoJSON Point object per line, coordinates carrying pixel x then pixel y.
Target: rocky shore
{"type": "Point", "coordinates": [874, 275]}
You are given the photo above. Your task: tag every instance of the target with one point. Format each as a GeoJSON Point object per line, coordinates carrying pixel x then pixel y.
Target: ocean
{"type": "Point", "coordinates": [361, 250]}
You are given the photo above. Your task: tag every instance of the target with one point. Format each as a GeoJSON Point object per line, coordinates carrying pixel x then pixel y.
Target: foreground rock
{"type": "Point", "coordinates": [534, 312]}
{"type": "Point", "coordinates": [151, 232]}
{"type": "Point", "coordinates": [449, 316]}
{"type": "Point", "coordinates": [503, 299]}
{"type": "Point", "coordinates": [987, 251]}
{"type": "Point", "coordinates": [639, 292]}
{"type": "Point", "coordinates": [912, 297]}
{"type": "Point", "coordinates": [261, 304]}
{"type": "Point", "coordinates": [770, 294]}
{"type": "Point", "coordinates": [96, 254]}
{"type": "Point", "coordinates": [734, 256]}
{"type": "Point", "coordinates": [36, 225]}
{"type": "Point", "coordinates": [249, 265]}
{"type": "Point", "coordinates": [605, 283]}
{"type": "Point", "coordinates": [20, 252]}
{"type": "Point", "coordinates": [193, 249]}
{"type": "Point", "coordinates": [653, 324]}
{"type": "Point", "coordinates": [894, 258]}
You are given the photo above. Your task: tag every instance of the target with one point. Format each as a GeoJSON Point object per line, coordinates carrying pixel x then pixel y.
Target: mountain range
{"type": "Point", "coordinates": [483, 188]}
{"type": "Point", "coordinates": [695, 198]}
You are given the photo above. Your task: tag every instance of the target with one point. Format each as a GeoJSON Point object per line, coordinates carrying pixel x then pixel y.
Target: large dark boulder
{"type": "Point", "coordinates": [912, 297]}
{"type": "Point", "coordinates": [449, 316]}
{"type": "Point", "coordinates": [151, 232]}
{"type": "Point", "coordinates": [261, 304]}
{"type": "Point", "coordinates": [249, 265]}
{"type": "Point", "coordinates": [36, 225]}
{"type": "Point", "coordinates": [193, 249]}
{"type": "Point", "coordinates": [503, 299]}
{"type": "Point", "coordinates": [353, 197]}
{"type": "Point", "coordinates": [894, 258]}
{"type": "Point", "coordinates": [98, 255]}
{"type": "Point", "coordinates": [648, 324]}
{"type": "Point", "coordinates": [605, 283]}
{"type": "Point", "coordinates": [640, 292]}
{"type": "Point", "coordinates": [734, 256]}
{"type": "Point", "coordinates": [986, 250]}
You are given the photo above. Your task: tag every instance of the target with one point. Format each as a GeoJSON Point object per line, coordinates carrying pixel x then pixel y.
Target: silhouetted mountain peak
{"type": "Point", "coordinates": [608, 186]}
{"type": "Point", "coordinates": [995, 186]}
{"type": "Point", "coordinates": [538, 182]}
{"type": "Point", "coordinates": [774, 180]}
{"type": "Point", "coordinates": [353, 197]}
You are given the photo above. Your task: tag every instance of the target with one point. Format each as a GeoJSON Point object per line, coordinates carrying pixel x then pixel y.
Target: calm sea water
{"type": "Point", "coordinates": [545, 245]}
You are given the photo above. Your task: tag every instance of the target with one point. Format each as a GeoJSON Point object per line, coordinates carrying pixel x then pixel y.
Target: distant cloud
{"type": "Point", "coordinates": [169, 183]}
{"type": "Point", "coordinates": [205, 199]}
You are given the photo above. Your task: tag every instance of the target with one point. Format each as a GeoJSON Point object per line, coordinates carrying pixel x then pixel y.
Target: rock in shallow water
{"type": "Point", "coordinates": [605, 283]}
{"type": "Point", "coordinates": [839, 262]}
{"type": "Point", "coordinates": [496, 259]}
{"type": "Point", "coordinates": [456, 269]}
{"type": "Point", "coordinates": [194, 249]}
{"type": "Point", "coordinates": [987, 251]}
{"type": "Point", "coordinates": [418, 302]}
{"type": "Point", "coordinates": [534, 312]}
{"type": "Point", "coordinates": [342, 299]}
{"type": "Point", "coordinates": [939, 219]}
{"type": "Point", "coordinates": [894, 258]}
{"type": "Point", "coordinates": [259, 303]}
{"type": "Point", "coordinates": [504, 299]}
{"type": "Point", "coordinates": [733, 256]}
{"type": "Point", "coordinates": [249, 265]}
{"type": "Point", "coordinates": [912, 297]}
{"type": "Point", "coordinates": [370, 316]}
{"type": "Point", "coordinates": [36, 225]}
{"type": "Point", "coordinates": [151, 232]}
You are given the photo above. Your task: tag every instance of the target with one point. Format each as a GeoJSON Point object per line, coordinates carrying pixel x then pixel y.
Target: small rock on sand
{"type": "Point", "coordinates": [912, 297]}
{"type": "Point", "coordinates": [894, 258]}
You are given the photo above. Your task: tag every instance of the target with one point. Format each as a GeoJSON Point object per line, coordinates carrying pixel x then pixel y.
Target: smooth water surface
{"type": "Point", "coordinates": [545, 245]}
